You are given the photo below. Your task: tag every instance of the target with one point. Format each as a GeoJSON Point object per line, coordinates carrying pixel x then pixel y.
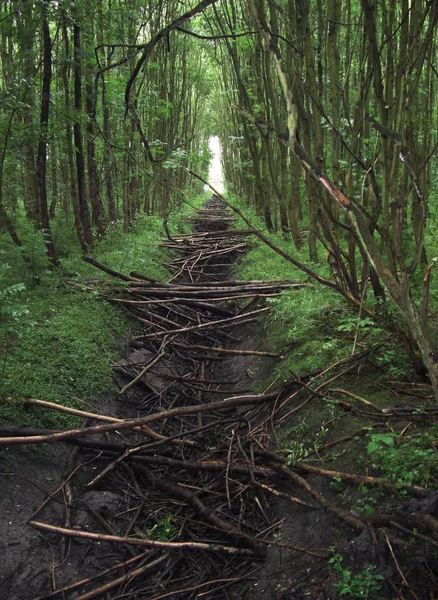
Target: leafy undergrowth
{"type": "Point", "coordinates": [313, 327]}
{"type": "Point", "coordinates": [57, 337]}
{"type": "Point", "coordinates": [344, 419]}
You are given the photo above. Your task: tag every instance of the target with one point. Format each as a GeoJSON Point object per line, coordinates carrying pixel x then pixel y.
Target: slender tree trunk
{"type": "Point", "coordinates": [80, 164]}
{"type": "Point", "coordinates": [26, 34]}
{"type": "Point", "coordinates": [69, 140]}
{"type": "Point", "coordinates": [55, 188]}
{"type": "Point", "coordinates": [93, 182]}
{"type": "Point", "coordinates": [295, 201]}
{"type": "Point", "coordinates": [44, 222]}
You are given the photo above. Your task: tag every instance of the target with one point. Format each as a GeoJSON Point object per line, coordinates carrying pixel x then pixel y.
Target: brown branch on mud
{"type": "Point", "coordinates": [353, 522]}
{"type": "Point", "coordinates": [144, 370]}
{"type": "Point", "coordinates": [273, 459]}
{"type": "Point", "coordinates": [249, 400]}
{"type": "Point", "coordinates": [116, 539]}
{"type": "Point", "coordinates": [90, 415]}
{"type": "Point", "coordinates": [78, 584]}
{"type": "Point", "coordinates": [202, 505]}
{"type": "Point", "coordinates": [386, 484]}
{"type": "Point", "coordinates": [227, 350]}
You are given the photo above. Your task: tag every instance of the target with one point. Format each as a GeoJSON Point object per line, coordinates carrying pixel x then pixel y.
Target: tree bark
{"type": "Point", "coordinates": [44, 222]}
{"type": "Point", "coordinates": [84, 213]}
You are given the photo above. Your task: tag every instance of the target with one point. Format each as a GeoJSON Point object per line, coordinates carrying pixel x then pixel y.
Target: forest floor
{"type": "Point", "coordinates": [321, 487]}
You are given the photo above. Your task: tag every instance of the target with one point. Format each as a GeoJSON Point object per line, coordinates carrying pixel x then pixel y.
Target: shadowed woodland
{"type": "Point", "coordinates": [248, 378]}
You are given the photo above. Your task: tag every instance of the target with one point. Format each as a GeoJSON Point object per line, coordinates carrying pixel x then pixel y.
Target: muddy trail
{"type": "Point", "coordinates": [179, 488]}
{"type": "Point", "coordinates": [162, 499]}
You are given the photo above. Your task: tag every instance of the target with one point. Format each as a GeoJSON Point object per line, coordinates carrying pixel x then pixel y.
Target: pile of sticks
{"type": "Point", "coordinates": [186, 458]}
{"type": "Point", "coordinates": [192, 506]}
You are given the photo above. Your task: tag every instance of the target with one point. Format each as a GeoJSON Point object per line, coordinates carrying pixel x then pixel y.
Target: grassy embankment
{"type": "Point", "coordinates": [314, 328]}
{"type": "Point", "coordinates": [57, 336]}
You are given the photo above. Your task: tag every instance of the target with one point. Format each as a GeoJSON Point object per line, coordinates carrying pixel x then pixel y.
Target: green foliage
{"type": "Point", "coordinates": [410, 459]}
{"type": "Point", "coordinates": [316, 309]}
{"type": "Point", "coordinates": [58, 337]}
{"type": "Point", "coordinates": [393, 361]}
{"type": "Point", "coordinates": [298, 440]}
{"type": "Point", "coordinates": [164, 529]}
{"type": "Point", "coordinates": [293, 316]}
{"type": "Point", "coordinates": [379, 440]}
{"type": "Point", "coordinates": [65, 357]}
{"type": "Point", "coordinates": [363, 585]}
{"type": "Point", "coordinates": [336, 485]}
{"type": "Point", "coordinates": [13, 269]}
{"type": "Point", "coordinates": [125, 252]}
{"type": "Point", "coordinates": [12, 312]}
{"type": "Point", "coordinates": [352, 324]}
{"type": "Point", "coordinates": [366, 505]}
{"type": "Point", "coordinates": [294, 442]}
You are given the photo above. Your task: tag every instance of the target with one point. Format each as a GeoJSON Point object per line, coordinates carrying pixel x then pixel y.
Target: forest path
{"type": "Point", "coordinates": [187, 489]}
{"type": "Point", "coordinates": [166, 499]}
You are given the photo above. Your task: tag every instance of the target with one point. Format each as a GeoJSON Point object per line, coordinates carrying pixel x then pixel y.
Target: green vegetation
{"type": "Point", "coordinates": [164, 529]}
{"type": "Point", "coordinates": [58, 337]}
{"type": "Point", "coordinates": [409, 459]}
{"type": "Point", "coordinates": [335, 327]}
{"type": "Point", "coordinates": [327, 115]}
{"type": "Point", "coordinates": [363, 585]}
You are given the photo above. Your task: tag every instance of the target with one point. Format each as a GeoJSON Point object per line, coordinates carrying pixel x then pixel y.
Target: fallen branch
{"type": "Point", "coordinates": [143, 372]}
{"type": "Point", "coordinates": [90, 415]}
{"type": "Point", "coordinates": [249, 400]}
{"type": "Point", "coordinates": [116, 539]}
{"type": "Point", "coordinates": [226, 350]}
{"type": "Point", "coordinates": [105, 269]}
{"type": "Point", "coordinates": [123, 579]}
{"type": "Point", "coordinates": [365, 480]}
{"type": "Point", "coordinates": [82, 582]}
{"type": "Point", "coordinates": [209, 324]}
{"type": "Point", "coordinates": [348, 518]}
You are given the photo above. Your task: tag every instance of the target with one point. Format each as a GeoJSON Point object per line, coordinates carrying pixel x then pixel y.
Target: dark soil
{"type": "Point", "coordinates": [140, 498]}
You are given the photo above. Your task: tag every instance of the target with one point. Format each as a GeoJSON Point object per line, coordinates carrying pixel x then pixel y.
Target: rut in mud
{"type": "Point", "coordinates": [184, 490]}
{"type": "Point", "coordinates": [165, 500]}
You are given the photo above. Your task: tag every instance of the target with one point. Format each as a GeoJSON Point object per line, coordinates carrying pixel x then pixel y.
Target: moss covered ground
{"type": "Point", "coordinates": [58, 337]}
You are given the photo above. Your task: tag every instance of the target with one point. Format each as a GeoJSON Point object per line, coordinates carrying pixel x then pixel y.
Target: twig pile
{"type": "Point", "coordinates": [188, 502]}
{"type": "Point", "coordinates": [181, 481]}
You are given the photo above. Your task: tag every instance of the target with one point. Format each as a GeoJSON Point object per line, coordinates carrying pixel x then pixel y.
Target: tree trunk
{"type": "Point", "coordinates": [80, 164]}
{"type": "Point", "coordinates": [44, 222]}
{"type": "Point", "coordinates": [26, 34]}
{"type": "Point", "coordinates": [69, 140]}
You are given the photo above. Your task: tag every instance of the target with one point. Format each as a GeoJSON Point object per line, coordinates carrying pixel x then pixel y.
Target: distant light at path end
{"type": "Point", "coordinates": [215, 176]}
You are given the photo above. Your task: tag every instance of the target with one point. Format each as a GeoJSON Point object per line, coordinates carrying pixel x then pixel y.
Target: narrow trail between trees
{"type": "Point", "coordinates": [180, 487]}
{"type": "Point", "coordinates": [165, 499]}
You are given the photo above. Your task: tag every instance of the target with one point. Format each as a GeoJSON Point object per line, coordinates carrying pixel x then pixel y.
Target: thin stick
{"type": "Point", "coordinates": [90, 415]}
{"type": "Point", "coordinates": [126, 425]}
{"type": "Point", "coordinates": [82, 582]}
{"type": "Point", "coordinates": [142, 373]}
{"type": "Point", "coordinates": [364, 479]}
{"type": "Point", "coordinates": [103, 589]}
{"type": "Point", "coordinates": [209, 323]}
{"type": "Point", "coordinates": [116, 539]}
{"type": "Point", "coordinates": [226, 350]}
{"type": "Point", "coordinates": [402, 575]}
{"type": "Point", "coordinates": [356, 397]}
